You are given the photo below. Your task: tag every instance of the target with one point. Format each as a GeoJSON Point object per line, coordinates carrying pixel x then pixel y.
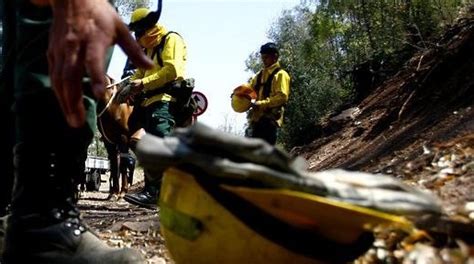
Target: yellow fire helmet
{"type": "Point", "coordinates": [242, 97]}
{"type": "Point", "coordinates": [142, 20]}
{"type": "Point", "coordinates": [240, 103]}
{"type": "Point", "coordinates": [139, 14]}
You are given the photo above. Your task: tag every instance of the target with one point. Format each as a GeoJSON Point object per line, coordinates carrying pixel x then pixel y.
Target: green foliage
{"type": "Point", "coordinates": [322, 42]}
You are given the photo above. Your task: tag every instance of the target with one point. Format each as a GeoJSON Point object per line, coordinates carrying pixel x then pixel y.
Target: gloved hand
{"type": "Point", "coordinates": [137, 86]}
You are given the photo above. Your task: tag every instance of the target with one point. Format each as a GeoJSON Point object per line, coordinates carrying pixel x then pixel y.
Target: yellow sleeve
{"type": "Point", "coordinates": [139, 73]}
{"type": "Point", "coordinates": [174, 61]}
{"type": "Point", "coordinates": [280, 91]}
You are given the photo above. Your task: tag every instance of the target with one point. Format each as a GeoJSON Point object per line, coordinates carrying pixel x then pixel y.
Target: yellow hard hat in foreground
{"type": "Point", "coordinates": [207, 223]}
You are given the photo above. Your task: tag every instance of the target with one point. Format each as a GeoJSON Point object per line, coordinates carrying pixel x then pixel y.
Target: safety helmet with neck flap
{"type": "Point", "coordinates": [141, 20]}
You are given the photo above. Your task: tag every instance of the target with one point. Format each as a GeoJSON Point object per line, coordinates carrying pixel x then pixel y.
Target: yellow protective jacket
{"type": "Point", "coordinates": [174, 63]}
{"type": "Point", "coordinates": [273, 105]}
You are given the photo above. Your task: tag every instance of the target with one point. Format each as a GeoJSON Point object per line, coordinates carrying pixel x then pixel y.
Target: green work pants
{"type": "Point", "coordinates": [157, 120]}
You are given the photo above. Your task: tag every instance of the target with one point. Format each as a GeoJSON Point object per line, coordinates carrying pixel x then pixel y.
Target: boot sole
{"type": "Point", "coordinates": [140, 204]}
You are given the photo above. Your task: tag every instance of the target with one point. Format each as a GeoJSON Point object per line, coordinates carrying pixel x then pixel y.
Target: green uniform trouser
{"type": "Point", "coordinates": [157, 120]}
{"type": "Point", "coordinates": [48, 153]}
{"type": "Point", "coordinates": [266, 129]}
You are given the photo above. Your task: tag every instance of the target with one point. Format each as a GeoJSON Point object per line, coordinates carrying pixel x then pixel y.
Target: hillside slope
{"type": "Point", "coordinates": [417, 126]}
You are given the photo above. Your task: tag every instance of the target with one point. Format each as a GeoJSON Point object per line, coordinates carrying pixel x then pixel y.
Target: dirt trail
{"type": "Point", "coordinates": [121, 224]}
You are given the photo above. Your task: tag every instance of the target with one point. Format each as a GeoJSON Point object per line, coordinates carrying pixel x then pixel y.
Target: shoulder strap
{"type": "Point", "coordinates": [258, 82]}
{"type": "Point", "coordinates": [267, 87]}
{"type": "Point", "coordinates": [159, 48]}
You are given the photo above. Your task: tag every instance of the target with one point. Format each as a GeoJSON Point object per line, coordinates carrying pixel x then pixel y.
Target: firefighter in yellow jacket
{"type": "Point", "coordinates": [151, 89]}
{"type": "Point", "coordinates": [272, 86]}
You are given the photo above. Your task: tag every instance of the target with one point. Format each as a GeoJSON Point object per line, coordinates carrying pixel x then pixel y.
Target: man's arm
{"type": "Point", "coordinates": [139, 73]}
{"type": "Point", "coordinates": [81, 32]}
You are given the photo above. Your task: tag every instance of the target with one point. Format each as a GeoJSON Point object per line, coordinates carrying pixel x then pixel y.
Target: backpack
{"type": "Point", "coordinates": [185, 105]}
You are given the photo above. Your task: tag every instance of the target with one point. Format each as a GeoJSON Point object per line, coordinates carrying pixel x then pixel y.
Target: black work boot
{"type": "Point", "coordinates": [45, 226]}
{"type": "Point", "coordinates": [59, 237]}
{"type": "Point", "coordinates": [147, 197]}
